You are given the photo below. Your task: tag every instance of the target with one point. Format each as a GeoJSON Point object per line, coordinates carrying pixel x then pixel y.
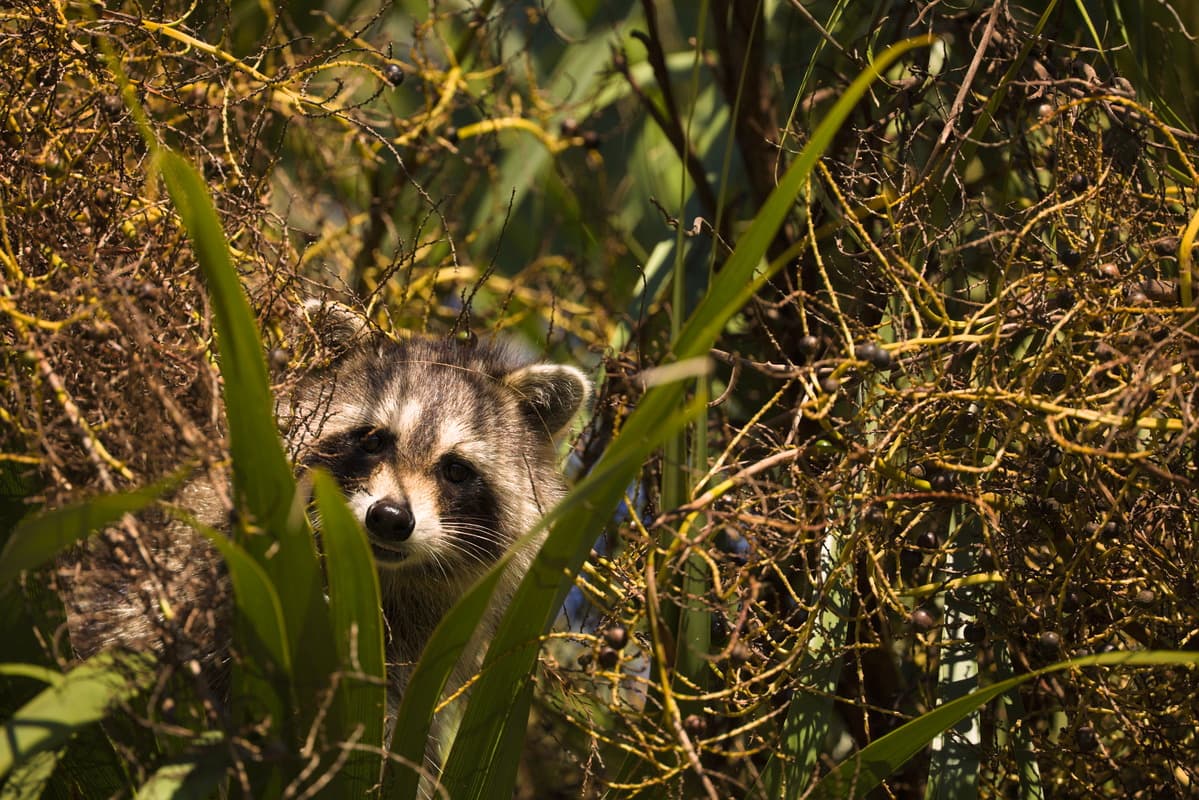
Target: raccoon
{"type": "Point", "coordinates": [446, 452]}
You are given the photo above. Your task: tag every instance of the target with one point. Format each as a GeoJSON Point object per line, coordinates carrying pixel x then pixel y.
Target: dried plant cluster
{"type": "Point", "coordinates": [957, 427]}
{"type": "Point", "coordinates": [960, 428]}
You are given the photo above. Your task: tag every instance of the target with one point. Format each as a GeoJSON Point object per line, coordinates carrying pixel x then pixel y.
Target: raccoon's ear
{"type": "Point", "coordinates": [551, 394]}
{"type": "Point", "coordinates": [337, 326]}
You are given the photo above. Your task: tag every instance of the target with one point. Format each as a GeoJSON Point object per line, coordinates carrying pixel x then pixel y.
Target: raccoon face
{"type": "Point", "coordinates": [420, 497]}
{"type": "Point", "coordinates": [444, 451]}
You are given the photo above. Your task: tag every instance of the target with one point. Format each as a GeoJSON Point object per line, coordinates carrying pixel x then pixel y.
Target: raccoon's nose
{"type": "Point", "coordinates": [390, 520]}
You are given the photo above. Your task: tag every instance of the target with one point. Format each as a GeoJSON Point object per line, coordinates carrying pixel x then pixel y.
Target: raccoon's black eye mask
{"type": "Point", "coordinates": [372, 440]}
{"type": "Point", "coordinates": [352, 454]}
{"type": "Point", "coordinates": [456, 470]}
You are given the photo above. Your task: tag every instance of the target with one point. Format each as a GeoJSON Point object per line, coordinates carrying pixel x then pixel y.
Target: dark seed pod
{"type": "Point", "coordinates": [1064, 299]}
{"type": "Point", "coordinates": [1052, 456]}
{"type": "Point", "coordinates": [874, 514]}
{"type": "Point", "coordinates": [569, 126]}
{"type": "Point", "coordinates": [1111, 529]}
{"type": "Point", "coordinates": [942, 482]}
{"type": "Point", "coordinates": [1160, 291]}
{"type": "Point", "coordinates": [608, 658]}
{"type": "Point", "coordinates": [829, 384]}
{"type": "Point", "coordinates": [866, 352]}
{"type": "Point", "coordinates": [1077, 182]}
{"type": "Point", "coordinates": [927, 540]}
{"type": "Point", "coordinates": [1146, 598]}
{"type": "Point", "coordinates": [584, 660]}
{"type": "Point", "coordinates": [393, 74]}
{"type": "Point", "coordinates": [695, 725]}
{"type": "Point", "coordinates": [739, 654]}
{"type": "Point", "coordinates": [616, 637]}
{"type": "Point", "coordinates": [451, 134]}
{"type": "Point", "coordinates": [1086, 739]}
{"type": "Point", "coordinates": [882, 359]}
{"type": "Point", "coordinates": [591, 140]}
{"type": "Point", "coordinates": [1068, 255]}
{"type": "Point", "coordinates": [113, 105]}
{"type": "Point", "coordinates": [279, 358]}
{"type": "Point", "coordinates": [922, 619]}
{"type": "Point", "coordinates": [1050, 642]}
{"type": "Point", "coordinates": [1166, 245]}
{"type": "Point", "coordinates": [808, 345]}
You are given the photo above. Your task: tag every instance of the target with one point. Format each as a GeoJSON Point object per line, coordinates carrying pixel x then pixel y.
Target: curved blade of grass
{"type": "Point", "coordinates": [29, 778]}
{"type": "Point", "coordinates": [195, 778]}
{"type": "Point", "coordinates": [866, 770]}
{"type": "Point", "coordinates": [34, 671]}
{"type": "Point", "coordinates": [577, 521]}
{"type": "Point", "coordinates": [36, 540]}
{"type": "Point", "coordinates": [261, 473]}
{"type": "Point", "coordinates": [494, 712]}
{"type": "Point", "coordinates": [355, 607]}
{"type": "Point", "coordinates": [428, 682]}
{"type": "Point", "coordinates": [736, 281]}
{"type": "Point", "coordinates": [83, 697]}
{"type": "Point", "coordinates": [261, 631]}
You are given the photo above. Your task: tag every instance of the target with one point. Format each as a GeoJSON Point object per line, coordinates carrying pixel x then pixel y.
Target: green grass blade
{"type": "Point", "coordinates": [512, 655]}
{"type": "Point", "coordinates": [428, 681]}
{"type": "Point", "coordinates": [34, 671]}
{"type": "Point", "coordinates": [355, 607]}
{"type": "Point", "coordinates": [195, 778]}
{"type": "Point", "coordinates": [866, 770]}
{"type": "Point", "coordinates": [261, 632]}
{"type": "Point", "coordinates": [36, 540]}
{"type": "Point", "coordinates": [261, 473]}
{"type": "Point", "coordinates": [28, 779]}
{"type": "Point", "coordinates": [83, 697]}
{"type": "Point", "coordinates": [739, 278]}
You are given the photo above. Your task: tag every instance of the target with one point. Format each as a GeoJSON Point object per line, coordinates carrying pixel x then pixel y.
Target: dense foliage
{"type": "Point", "coordinates": [899, 384]}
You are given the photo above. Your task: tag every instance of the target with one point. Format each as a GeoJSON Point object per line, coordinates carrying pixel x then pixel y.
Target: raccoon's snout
{"type": "Point", "coordinates": [390, 520]}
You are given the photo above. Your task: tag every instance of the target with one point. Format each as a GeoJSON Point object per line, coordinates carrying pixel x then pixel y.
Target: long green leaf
{"type": "Point", "coordinates": [428, 681]}
{"type": "Point", "coordinates": [512, 654]}
{"type": "Point", "coordinates": [36, 540]}
{"type": "Point", "coordinates": [261, 631]}
{"type": "Point", "coordinates": [737, 282]}
{"type": "Point", "coordinates": [470, 770]}
{"type": "Point", "coordinates": [355, 607]}
{"type": "Point", "coordinates": [28, 779]}
{"type": "Point", "coordinates": [261, 473]}
{"type": "Point", "coordinates": [859, 775]}
{"type": "Point", "coordinates": [195, 778]}
{"type": "Point", "coordinates": [83, 697]}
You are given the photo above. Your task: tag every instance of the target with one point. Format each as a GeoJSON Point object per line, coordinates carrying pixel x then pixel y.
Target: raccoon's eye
{"type": "Point", "coordinates": [455, 470]}
{"type": "Point", "coordinates": [372, 441]}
